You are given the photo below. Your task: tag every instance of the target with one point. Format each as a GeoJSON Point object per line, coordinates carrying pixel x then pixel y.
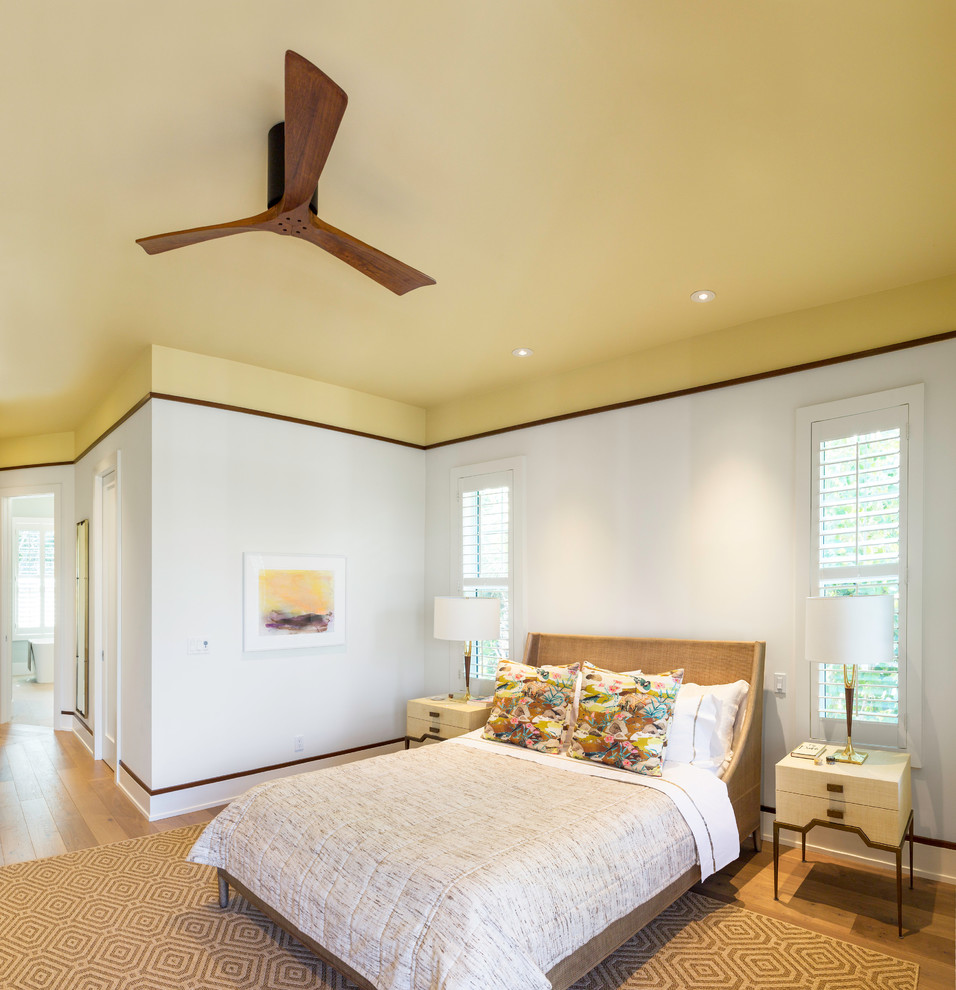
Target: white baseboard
{"type": "Point", "coordinates": [184, 800]}
{"type": "Point", "coordinates": [932, 862]}
{"type": "Point", "coordinates": [80, 731]}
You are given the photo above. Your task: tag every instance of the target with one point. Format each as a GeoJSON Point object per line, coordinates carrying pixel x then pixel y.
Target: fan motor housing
{"type": "Point", "coordinates": [275, 181]}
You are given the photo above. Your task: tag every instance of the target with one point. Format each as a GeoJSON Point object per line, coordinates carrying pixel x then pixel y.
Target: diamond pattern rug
{"type": "Point", "coordinates": [136, 916]}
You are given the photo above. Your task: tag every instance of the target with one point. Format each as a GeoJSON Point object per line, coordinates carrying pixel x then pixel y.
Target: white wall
{"type": "Point", "coordinates": [225, 483]}
{"type": "Point", "coordinates": [677, 519]}
{"type": "Point", "coordinates": [126, 450]}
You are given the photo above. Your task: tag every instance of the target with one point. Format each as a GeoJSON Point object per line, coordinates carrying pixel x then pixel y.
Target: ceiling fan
{"type": "Point", "coordinates": [298, 149]}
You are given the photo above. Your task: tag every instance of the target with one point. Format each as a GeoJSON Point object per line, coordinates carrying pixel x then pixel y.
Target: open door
{"type": "Point", "coordinates": [109, 616]}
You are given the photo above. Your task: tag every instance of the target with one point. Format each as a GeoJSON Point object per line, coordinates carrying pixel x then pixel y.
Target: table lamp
{"type": "Point", "coordinates": [850, 629]}
{"type": "Point", "coordinates": [468, 620]}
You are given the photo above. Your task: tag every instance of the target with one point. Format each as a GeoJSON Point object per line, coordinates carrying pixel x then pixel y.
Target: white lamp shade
{"type": "Point", "coordinates": [467, 618]}
{"type": "Point", "coordinates": [850, 629]}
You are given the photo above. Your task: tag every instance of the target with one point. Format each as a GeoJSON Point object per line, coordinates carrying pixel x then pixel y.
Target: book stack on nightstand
{"type": "Point", "coordinates": [426, 718]}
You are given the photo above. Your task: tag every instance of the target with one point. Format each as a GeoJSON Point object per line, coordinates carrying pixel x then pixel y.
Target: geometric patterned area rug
{"type": "Point", "coordinates": [135, 916]}
{"type": "Point", "coordinates": [699, 942]}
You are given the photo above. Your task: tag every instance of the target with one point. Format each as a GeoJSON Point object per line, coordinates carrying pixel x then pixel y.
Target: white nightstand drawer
{"type": "Point", "coordinates": [417, 727]}
{"type": "Point", "coordinates": [833, 782]}
{"type": "Point", "coordinates": [444, 718]}
{"type": "Point", "coordinates": [884, 825]}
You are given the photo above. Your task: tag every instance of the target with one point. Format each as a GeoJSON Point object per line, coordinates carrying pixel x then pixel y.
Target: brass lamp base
{"type": "Point", "coordinates": [849, 755]}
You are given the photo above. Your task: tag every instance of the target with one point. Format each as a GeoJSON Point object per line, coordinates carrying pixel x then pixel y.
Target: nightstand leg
{"type": "Point", "coordinates": [899, 888]}
{"type": "Point", "coordinates": [911, 850]}
{"type": "Point", "coordinates": [803, 845]}
{"type": "Point", "coordinates": [776, 856]}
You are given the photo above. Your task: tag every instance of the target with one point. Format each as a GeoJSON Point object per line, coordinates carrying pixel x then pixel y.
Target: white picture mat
{"type": "Point", "coordinates": [253, 637]}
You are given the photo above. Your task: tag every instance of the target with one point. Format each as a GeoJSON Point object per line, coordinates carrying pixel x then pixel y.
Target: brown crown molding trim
{"type": "Point", "coordinates": [282, 418]}
{"type": "Point", "coordinates": [710, 387]}
{"type": "Point", "coordinates": [250, 773]}
{"type": "Point", "coordinates": [924, 840]}
{"type": "Point", "coordinates": [626, 404]}
{"type": "Point", "coordinates": [24, 467]}
{"type": "Point", "coordinates": [135, 409]}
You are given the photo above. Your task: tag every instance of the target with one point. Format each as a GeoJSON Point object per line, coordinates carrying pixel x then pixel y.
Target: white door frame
{"type": "Point", "coordinates": [110, 465]}
{"type": "Point", "coordinates": [63, 636]}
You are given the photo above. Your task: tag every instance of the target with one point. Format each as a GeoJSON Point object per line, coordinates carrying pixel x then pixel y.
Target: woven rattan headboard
{"type": "Point", "coordinates": [704, 662]}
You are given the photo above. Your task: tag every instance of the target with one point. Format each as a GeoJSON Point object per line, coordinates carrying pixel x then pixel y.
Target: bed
{"type": "Point", "coordinates": [494, 867]}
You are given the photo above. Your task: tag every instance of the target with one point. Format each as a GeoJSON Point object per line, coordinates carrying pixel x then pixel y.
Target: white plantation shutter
{"type": "Point", "coordinates": [33, 576]}
{"type": "Point", "coordinates": [858, 546]}
{"type": "Point", "coordinates": [485, 568]}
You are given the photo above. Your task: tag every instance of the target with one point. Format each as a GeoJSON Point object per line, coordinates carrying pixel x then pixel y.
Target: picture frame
{"type": "Point", "coordinates": [293, 601]}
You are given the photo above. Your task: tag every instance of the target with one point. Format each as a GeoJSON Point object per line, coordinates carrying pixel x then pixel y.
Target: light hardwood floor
{"type": "Point", "coordinates": [55, 798]}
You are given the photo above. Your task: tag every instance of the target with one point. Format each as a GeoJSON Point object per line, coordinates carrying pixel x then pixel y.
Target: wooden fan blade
{"type": "Point", "coordinates": [314, 106]}
{"type": "Point", "coordinates": [158, 243]}
{"type": "Point", "coordinates": [384, 269]}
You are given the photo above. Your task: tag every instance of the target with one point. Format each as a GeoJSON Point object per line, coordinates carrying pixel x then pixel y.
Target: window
{"type": "Point", "coordinates": [864, 488]}
{"type": "Point", "coordinates": [486, 552]}
{"type": "Point", "coordinates": [34, 578]}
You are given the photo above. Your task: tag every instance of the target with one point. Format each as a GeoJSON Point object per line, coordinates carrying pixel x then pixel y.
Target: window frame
{"type": "Point", "coordinates": [45, 526]}
{"type": "Point", "coordinates": [907, 734]}
{"type": "Point", "coordinates": [510, 472]}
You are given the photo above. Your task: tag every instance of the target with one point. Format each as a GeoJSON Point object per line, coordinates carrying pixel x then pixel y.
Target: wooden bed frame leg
{"type": "Point", "coordinates": [758, 842]}
{"type": "Point", "coordinates": [223, 890]}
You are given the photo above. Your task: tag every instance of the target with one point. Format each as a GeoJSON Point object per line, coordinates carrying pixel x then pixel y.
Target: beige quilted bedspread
{"type": "Point", "coordinates": [450, 868]}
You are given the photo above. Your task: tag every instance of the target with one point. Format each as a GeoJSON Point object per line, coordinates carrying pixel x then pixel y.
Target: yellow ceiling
{"type": "Point", "coordinates": [568, 171]}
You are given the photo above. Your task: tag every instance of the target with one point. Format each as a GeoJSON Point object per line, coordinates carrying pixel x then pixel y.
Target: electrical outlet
{"type": "Point", "coordinates": [196, 645]}
{"type": "Point", "coordinates": [298, 744]}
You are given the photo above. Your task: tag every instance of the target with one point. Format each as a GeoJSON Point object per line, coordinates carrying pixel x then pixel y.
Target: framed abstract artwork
{"type": "Point", "coordinates": [291, 601]}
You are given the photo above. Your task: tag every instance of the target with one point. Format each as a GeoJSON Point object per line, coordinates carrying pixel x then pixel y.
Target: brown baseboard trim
{"type": "Point", "coordinates": [937, 843]}
{"type": "Point", "coordinates": [251, 773]}
{"type": "Point", "coordinates": [79, 719]}
{"type": "Point", "coordinates": [709, 387]}
{"type": "Point", "coordinates": [923, 840]}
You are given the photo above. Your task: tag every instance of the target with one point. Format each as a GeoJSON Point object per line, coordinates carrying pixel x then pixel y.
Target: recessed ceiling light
{"type": "Point", "coordinates": [522, 352]}
{"type": "Point", "coordinates": [703, 295]}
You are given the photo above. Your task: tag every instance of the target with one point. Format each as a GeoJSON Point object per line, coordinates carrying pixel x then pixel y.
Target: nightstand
{"type": "Point", "coordinates": [429, 719]}
{"type": "Point", "coordinates": [873, 799]}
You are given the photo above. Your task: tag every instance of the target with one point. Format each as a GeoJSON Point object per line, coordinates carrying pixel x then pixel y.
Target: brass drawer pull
{"type": "Point", "coordinates": [834, 814]}
{"type": "Point", "coordinates": [434, 714]}
{"type": "Point", "coordinates": [836, 788]}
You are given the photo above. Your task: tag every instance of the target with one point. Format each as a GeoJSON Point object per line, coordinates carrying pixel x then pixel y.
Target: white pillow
{"type": "Point", "coordinates": [702, 732]}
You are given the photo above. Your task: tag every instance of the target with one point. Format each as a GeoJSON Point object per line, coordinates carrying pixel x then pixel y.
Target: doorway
{"type": "Point", "coordinates": [30, 607]}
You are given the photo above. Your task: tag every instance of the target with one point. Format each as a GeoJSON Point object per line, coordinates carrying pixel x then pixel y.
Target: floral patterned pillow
{"type": "Point", "coordinates": [623, 719]}
{"type": "Point", "coordinates": [531, 705]}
